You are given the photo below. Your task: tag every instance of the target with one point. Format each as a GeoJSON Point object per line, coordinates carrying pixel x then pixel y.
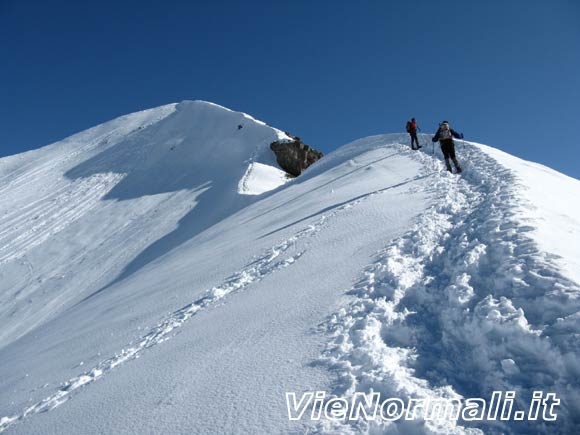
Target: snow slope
{"type": "Point", "coordinates": [128, 183]}
{"type": "Point", "coordinates": [466, 302]}
{"type": "Point", "coordinates": [157, 271]}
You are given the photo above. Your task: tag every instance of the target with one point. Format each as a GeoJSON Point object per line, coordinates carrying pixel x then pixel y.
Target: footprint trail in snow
{"type": "Point", "coordinates": [462, 305]}
{"type": "Point", "coordinates": [280, 256]}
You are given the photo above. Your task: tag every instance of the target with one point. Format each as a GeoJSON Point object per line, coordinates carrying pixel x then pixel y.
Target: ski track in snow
{"type": "Point", "coordinates": [76, 147]}
{"type": "Point", "coordinates": [44, 218]}
{"type": "Point", "coordinates": [270, 261]}
{"type": "Point", "coordinates": [461, 305]}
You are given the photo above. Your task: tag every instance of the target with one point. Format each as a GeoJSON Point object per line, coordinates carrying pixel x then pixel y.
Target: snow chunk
{"type": "Point", "coordinates": [260, 178]}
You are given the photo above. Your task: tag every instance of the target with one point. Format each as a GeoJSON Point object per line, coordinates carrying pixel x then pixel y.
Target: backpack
{"type": "Point", "coordinates": [445, 133]}
{"type": "Point", "coordinates": [409, 126]}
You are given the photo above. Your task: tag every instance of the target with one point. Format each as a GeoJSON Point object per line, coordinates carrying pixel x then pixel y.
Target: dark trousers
{"type": "Point", "coordinates": [448, 148]}
{"type": "Point", "coordinates": [414, 140]}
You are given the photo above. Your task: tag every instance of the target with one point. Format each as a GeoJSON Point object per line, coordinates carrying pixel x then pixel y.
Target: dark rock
{"type": "Point", "coordinates": [294, 156]}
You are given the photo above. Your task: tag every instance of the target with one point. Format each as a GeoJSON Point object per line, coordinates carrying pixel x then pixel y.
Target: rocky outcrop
{"type": "Point", "coordinates": [294, 156]}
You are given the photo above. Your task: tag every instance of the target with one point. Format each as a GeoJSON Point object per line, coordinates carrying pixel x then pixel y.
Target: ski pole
{"type": "Point", "coordinates": [433, 156]}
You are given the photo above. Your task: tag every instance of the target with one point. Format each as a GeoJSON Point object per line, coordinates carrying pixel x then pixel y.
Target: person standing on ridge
{"type": "Point", "coordinates": [412, 128]}
{"type": "Point", "coordinates": [445, 135]}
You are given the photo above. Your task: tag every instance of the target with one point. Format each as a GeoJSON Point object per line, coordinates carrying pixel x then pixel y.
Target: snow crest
{"type": "Point", "coordinates": [460, 299]}
{"type": "Point", "coordinates": [462, 305]}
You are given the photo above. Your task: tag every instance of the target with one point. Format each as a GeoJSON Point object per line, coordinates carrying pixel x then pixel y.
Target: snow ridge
{"type": "Point", "coordinates": [178, 158]}
{"type": "Point", "coordinates": [462, 305]}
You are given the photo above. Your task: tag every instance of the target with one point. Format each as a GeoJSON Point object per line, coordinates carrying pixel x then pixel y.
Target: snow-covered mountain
{"type": "Point", "coordinates": [160, 274]}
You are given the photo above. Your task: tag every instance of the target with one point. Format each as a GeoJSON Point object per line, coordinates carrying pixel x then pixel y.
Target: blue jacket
{"type": "Point", "coordinates": [453, 133]}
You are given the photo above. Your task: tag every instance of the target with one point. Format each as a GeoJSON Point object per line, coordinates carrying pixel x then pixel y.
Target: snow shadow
{"type": "Point", "coordinates": [305, 177]}
{"type": "Point", "coordinates": [343, 203]}
{"type": "Point", "coordinates": [175, 155]}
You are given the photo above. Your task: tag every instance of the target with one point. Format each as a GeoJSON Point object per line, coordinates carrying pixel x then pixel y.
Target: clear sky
{"type": "Point", "coordinates": [504, 72]}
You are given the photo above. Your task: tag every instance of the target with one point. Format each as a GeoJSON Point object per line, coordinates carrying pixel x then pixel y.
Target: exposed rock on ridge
{"type": "Point", "coordinates": [294, 156]}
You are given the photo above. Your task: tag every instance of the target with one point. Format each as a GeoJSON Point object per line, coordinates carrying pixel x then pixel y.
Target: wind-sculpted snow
{"type": "Point", "coordinates": [462, 305]}
{"type": "Point", "coordinates": [41, 202]}
{"type": "Point", "coordinates": [114, 245]}
{"type": "Point", "coordinates": [82, 198]}
{"type": "Point", "coordinates": [268, 263]}
{"type": "Point", "coordinates": [48, 216]}
{"type": "Point", "coordinates": [282, 255]}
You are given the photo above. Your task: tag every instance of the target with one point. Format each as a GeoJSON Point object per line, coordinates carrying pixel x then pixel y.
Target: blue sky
{"type": "Point", "coordinates": [506, 73]}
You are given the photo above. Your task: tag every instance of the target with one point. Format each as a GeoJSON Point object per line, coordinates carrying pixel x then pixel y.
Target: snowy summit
{"type": "Point", "coordinates": [160, 273]}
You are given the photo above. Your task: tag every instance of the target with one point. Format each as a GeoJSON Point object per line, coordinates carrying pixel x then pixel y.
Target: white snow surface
{"type": "Point", "coordinates": [160, 274]}
{"type": "Point", "coordinates": [260, 178]}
